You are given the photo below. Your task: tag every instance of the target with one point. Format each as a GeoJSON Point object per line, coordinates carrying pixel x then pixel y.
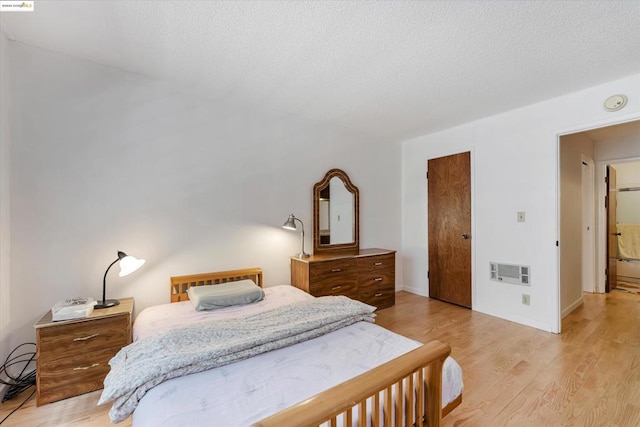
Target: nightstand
{"type": "Point", "coordinates": [73, 355]}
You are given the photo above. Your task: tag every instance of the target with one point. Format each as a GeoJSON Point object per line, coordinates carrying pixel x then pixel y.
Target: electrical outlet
{"type": "Point", "coordinates": [526, 299]}
{"type": "Point", "coordinates": [520, 216]}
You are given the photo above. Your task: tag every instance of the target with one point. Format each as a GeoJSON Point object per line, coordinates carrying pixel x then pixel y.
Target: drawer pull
{"type": "Point", "coordinates": [379, 294]}
{"type": "Point", "coordinates": [84, 368]}
{"type": "Point", "coordinates": [377, 263]}
{"type": "Point", "coordinates": [336, 270]}
{"type": "Point", "coordinates": [86, 338]}
{"type": "Point", "coordinates": [335, 288]}
{"type": "Point", "coordinates": [378, 279]}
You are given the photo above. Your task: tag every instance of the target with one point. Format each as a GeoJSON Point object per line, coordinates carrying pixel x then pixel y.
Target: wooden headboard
{"type": "Point", "coordinates": [180, 284]}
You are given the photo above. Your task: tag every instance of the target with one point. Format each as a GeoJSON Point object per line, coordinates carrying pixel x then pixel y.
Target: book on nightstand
{"type": "Point", "coordinates": [72, 308]}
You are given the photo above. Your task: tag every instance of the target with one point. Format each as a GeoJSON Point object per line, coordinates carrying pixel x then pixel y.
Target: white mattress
{"type": "Point", "coordinates": [247, 391]}
{"type": "Point", "coordinates": [161, 317]}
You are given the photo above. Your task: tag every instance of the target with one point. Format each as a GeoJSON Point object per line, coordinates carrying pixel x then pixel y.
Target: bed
{"type": "Point", "coordinates": [360, 371]}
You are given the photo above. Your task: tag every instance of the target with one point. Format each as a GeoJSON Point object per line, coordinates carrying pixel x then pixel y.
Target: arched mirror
{"type": "Point", "coordinates": [336, 219]}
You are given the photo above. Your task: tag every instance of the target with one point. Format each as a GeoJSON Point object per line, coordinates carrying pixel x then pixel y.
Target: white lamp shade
{"type": "Point", "coordinates": [129, 264]}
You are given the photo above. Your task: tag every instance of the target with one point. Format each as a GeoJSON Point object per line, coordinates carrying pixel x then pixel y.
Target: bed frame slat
{"type": "Point", "coordinates": [409, 402]}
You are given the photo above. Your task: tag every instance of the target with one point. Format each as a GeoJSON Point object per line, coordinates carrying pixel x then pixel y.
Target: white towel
{"type": "Point", "coordinates": [629, 241]}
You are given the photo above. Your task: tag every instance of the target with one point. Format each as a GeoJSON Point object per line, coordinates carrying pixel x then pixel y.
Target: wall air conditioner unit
{"type": "Point", "coordinates": [509, 273]}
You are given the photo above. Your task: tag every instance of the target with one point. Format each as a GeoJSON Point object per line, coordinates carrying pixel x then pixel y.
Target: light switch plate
{"type": "Point", "coordinates": [520, 216]}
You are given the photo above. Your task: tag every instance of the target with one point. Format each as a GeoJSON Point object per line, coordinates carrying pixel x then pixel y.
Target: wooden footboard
{"type": "Point", "coordinates": [384, 394]}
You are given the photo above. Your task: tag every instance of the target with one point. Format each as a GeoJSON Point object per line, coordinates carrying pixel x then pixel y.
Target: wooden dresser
{"type": "Point", "coordinates": [73, 355]}
{"type": "Point", "coordinates": [367, 275]}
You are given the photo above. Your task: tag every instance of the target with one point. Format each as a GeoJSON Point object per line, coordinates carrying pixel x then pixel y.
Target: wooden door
{"type": "Point", "coordinates": [612, 231]}
{"type": "Point", "coordinates": [449, 211]}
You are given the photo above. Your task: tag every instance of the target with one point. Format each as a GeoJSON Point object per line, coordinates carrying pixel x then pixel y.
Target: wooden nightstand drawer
{"type": "Point", "coordinates": [72, 377]}
{"type": "Point", "coordinates": [73, 355]}
{"type": "Point", "coordinates": [62, 342]}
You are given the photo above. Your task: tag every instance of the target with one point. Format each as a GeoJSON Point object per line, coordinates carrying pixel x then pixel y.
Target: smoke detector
{"type": "Point", "coordinates": [615, 102]}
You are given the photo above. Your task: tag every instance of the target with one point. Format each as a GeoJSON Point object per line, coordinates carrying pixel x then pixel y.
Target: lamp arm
{"type": "Point", "coordinates": [302, 232]}
{"type": "Point", "coordinates": [104, 281]}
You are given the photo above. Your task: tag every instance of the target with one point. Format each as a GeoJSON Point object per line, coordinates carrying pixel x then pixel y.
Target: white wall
{"type": "Point", "coordinates": [5, 295]}
{"type": "Point", "coordinates": [572, 149]}
{"type": "Point", "coordinates": [628, 173]}
{"type": "Point", "coordinates": [105, 160]}
{"type": "Point", "coordinates": [618, 148]}
{"type": "Point", "coordinates": [514, 168]}
{"type": "Point", "coordinates": [628, 176]}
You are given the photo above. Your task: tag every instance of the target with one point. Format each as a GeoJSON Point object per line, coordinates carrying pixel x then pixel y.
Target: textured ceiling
{"type": "Point", "coordinates": [393, 69]}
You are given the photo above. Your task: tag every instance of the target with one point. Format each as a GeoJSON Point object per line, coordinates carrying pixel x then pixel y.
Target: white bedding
{"type": "Point", "coordinates": [161, 317]}
{"type": "Point", "coordinates": [247, 391]}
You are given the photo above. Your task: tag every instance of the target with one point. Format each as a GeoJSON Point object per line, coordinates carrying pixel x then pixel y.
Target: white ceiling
{"type": "Point", "coordinates": [390, 68]}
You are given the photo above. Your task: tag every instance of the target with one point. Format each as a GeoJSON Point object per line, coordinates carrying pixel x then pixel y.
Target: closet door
{"type": "Point", "coordinates": [449, 212]}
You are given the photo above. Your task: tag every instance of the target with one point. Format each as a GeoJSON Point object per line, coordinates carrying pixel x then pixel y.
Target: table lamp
{"type": "Point", "coordinates": [290, 224]}
{"type": "Point", "coordinates": [128, 265]}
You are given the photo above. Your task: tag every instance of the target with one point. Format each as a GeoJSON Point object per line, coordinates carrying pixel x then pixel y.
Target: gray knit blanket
{"type": "Point", "coordinates": [193, 348]}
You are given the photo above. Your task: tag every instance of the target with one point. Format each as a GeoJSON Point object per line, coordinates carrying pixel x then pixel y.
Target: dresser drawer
{"type": "Point", "coordinates": [379, 296]}
{"type": "Point", "coordinates": [327, 270]}
{"type": "Point", "coordinates": [376, 279]}
{"type": "Point", "coordinates": [333, 278]}
{"type": "Point", "coordinates": [376, 263]}
{"type": "Point", "coordinates": [82, 338]}
{"type": "Point", "coordinates": [338, 288]}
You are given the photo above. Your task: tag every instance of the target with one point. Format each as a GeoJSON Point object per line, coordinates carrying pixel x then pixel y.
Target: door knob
{"type": "Point", "coordinates": [466, 236]}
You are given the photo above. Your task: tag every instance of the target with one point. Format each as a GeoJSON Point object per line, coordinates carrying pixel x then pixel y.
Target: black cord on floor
{"type": "Point", "coordinates": [18, 383]}
{"type": "Point", "coordinates": [19, 406]}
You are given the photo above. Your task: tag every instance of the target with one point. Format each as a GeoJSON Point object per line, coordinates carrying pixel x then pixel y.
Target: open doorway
{"type": "Point", "coordinates": [623, 226]}
{"type": "Point", "coordinates": [610, 145]}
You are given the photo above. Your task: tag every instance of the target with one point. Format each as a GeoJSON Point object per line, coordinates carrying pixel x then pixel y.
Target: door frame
{"type": "Point", "coordinates": [589, 283]}
{"type": "Point", "coordinates": [555, 295]}
{"type": "Point", "coordinates": [473, 210]}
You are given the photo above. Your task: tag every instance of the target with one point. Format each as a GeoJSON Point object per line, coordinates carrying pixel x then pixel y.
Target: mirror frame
{"type": "Point", "coordinates": [327, 248]}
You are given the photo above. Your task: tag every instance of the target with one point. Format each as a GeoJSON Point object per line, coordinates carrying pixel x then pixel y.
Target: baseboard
{"type": "Point", "coordinates": [415, 290]}
{"type": "Point", "coordinates": [514, 318]}
{"type": "Point", "coordinates": [572, 307]}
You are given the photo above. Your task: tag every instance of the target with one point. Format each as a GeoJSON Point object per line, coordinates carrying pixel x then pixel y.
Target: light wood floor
{"type": "Point", "coordinates": [514, 375]}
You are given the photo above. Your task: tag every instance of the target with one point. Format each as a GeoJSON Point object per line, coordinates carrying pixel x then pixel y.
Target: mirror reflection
{"type": "Point", "coordinates": [335, 213]}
